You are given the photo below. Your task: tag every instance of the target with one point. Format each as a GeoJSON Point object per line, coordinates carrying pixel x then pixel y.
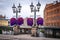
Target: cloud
{"type": "Point", "coordinates": [6, 7]}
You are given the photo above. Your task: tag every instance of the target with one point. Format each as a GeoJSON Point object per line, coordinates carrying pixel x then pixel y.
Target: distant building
{"type": "Point", "coordinates": [52, 14]}
{"type": "Point", "coordinates": [2, 16]}
{"type": "Point", "coordinates": [3, 21]}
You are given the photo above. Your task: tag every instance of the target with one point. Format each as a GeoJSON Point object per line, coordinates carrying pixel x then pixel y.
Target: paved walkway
{"type": "Point", "coordinates": [24, 37]}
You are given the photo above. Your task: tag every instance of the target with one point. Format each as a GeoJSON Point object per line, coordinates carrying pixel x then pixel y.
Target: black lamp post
{"type": "Point", "coordinates": [34, 9]}
{"type": "Point", "coordinates": [16, 9]}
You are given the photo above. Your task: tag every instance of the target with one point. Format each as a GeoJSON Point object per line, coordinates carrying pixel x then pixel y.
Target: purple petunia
{"type": "Point", "coordinates": [30, 21]}
{"type": "Point", "coordinates": [13, 21]}
{"type": "Point", "coordinates": [39, 21]}
{"type": "Point", "coordinates": [20, 21]}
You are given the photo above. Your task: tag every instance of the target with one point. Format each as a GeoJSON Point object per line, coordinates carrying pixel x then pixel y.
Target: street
{"type": "Point", "coordinates": [24, 37]}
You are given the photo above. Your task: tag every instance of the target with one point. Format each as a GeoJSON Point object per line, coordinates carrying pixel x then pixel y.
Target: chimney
{"type": "Point", "coordinates": [55, 2]}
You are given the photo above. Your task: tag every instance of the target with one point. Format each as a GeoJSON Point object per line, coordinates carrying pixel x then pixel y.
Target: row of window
{"type": "Point", "coordinates": [52, 24]}
{"type": "Point", "coordinates": [52, 7]}
{"type": "Point", "coordinates": [53, 18]}
{"type": "Point", "coordinates": [54, 12]}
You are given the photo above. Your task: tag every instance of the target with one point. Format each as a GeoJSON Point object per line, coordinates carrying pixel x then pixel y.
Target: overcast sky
{"type": "Point", "coordinates": [6, 7]}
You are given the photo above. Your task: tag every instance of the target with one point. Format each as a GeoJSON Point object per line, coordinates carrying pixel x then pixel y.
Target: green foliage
{"type": "Point", "coordinates": [0, 31]}
{"type": "Point", "coordinates": [42, 31]}
{"type": "Point", "coordinates": [5, 28]}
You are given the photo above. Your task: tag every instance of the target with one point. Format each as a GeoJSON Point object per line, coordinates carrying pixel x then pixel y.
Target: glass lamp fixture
{"type": "Point", "coordinates": [14, 8]}
{"type": "Point", "coordinates": [19, 8]}
{"type": "Point", "coordinates": [31, 6]}
{"type": "Point", "coordinates": [38, 6]}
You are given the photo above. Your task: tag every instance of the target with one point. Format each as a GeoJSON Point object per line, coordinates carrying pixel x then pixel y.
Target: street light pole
{"type": "Point", "coordinates": [33, 9]}
{"type": "Point", "coordinates": [16, 14]}
{"type": "Point", "coordinates": [34, 16]}
{"type": "Point", "coordinates": [16, 10]}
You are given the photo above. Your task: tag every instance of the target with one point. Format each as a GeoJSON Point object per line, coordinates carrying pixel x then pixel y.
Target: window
{"type": "Point", "coordinates": [58, 24]}
{"type": "Point", "coordinates": [57, 10]}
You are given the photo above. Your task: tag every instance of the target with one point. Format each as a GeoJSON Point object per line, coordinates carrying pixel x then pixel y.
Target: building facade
{"type": "Point", "coordinates": [52, 14]}
{"type": "Point", "coordinates": [2, 16]}
{"type": "Point", "coordinates": [3, 21]}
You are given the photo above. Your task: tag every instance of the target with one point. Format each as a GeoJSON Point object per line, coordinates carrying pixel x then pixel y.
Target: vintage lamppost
{"type": "Point", "coordinates": [16, 9]}
{"type": "Point", "coordinates": [34, 9]}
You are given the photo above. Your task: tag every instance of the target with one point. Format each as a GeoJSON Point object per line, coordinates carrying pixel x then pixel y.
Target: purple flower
{"type": "Point", "coordinates": [39, 21]}
{"type": "Point", "coordinates": [20, 21]}
{"type": "Point", "coordinates": [30, 21]}
{"type": "Point", "coordinates": [13, 21]}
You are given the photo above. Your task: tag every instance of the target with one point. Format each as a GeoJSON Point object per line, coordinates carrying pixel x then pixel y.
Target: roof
{"type": "Point", "coordinates": [52, 5]}
{"type": "Point", "coordinates": [4, 19]}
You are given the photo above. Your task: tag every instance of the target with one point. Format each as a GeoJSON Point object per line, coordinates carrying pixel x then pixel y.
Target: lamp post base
{"type": "Point", "coordinates": [34, 32]}
{"type": "Point", "coordinates": [16, 30]}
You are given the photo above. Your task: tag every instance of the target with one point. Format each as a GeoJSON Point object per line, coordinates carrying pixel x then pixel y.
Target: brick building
{"type": "Point", "coordinates": [52, 14]}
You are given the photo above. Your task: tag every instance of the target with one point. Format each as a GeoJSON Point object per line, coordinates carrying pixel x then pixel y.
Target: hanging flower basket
{"type": "Point", "coordinates": [39, 21]}
{"type": "Point", "coordinates": [20, 21]}
{"type": "Point", "coordinates": [13, 21]}
{"type": "Point", "coordinates": [29, 21]}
